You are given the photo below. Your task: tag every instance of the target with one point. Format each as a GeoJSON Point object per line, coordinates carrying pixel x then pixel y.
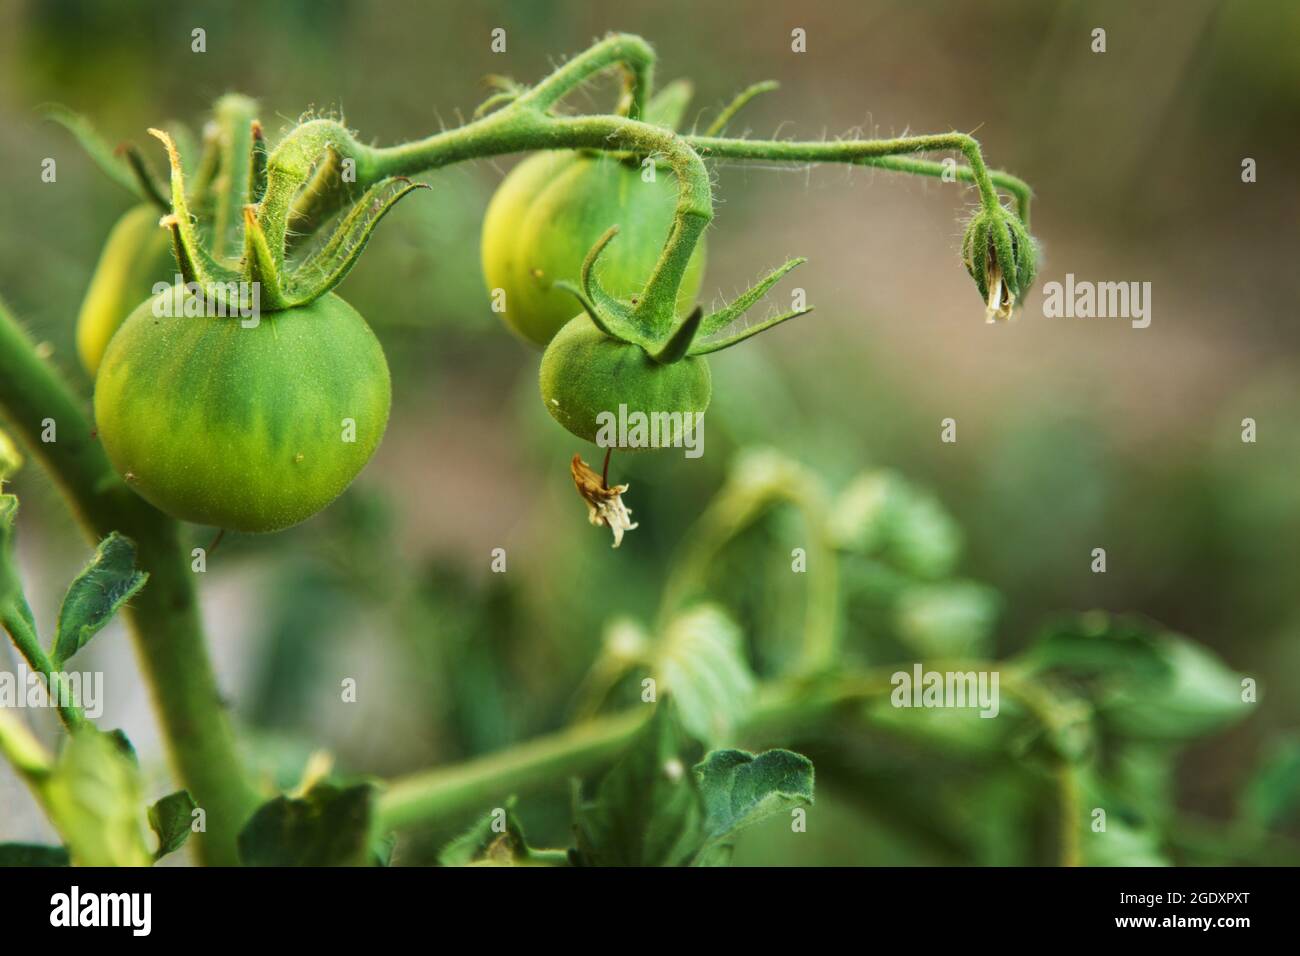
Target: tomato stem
{"type": "Point", "coordinates": [163, 618]}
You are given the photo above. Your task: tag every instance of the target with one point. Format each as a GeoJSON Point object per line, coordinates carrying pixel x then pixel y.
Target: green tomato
{"type": "Point", "coordinates": [586, 373]}
{"type": "Point", "coordinates": [136, 255]}
{"type": "Point", "coordinates": [251, 429]}
{"type": "Point", "coordinates": [546, 216]}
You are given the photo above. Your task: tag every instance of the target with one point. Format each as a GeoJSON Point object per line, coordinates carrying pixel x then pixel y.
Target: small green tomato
{"type": "Point", "coordinates": [247, 428]}
{"type": "Point", "coordinates": [585, 373]}
{"type": "Point", "coordinates": [550, 211]}
{"type": "Point", "coordinates": [136, 255]}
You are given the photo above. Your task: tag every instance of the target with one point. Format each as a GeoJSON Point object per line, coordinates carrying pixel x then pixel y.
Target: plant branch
{"type": "Point", "coordinates": [889, 154]}
{"type": "Point", "coordinates": [29, 645]}
{"type": "Point", "coordinates": [164, 617]}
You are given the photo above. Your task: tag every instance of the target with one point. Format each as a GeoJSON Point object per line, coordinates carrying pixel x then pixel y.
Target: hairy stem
{"type": "Point", "coordinates": [518, 127]}
{"type": "Point", "coordinates": [884, 153]}
{"type": "Point", "coordinates": [29, 645]}
{"type": "Point", "coordinates": [783, 707]}
{"type": "Point", "coordinates": [164, 616]}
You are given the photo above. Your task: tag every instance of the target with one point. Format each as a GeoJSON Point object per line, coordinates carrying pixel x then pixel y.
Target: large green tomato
{"type": "Point", "coordinates": [247, 428]}
{"type": "Point", "coordinates": [549, 212]}
{"type": "Point", "coordinates": [586, 373]}
{"type": "Point", "coordinates": [136, 255]}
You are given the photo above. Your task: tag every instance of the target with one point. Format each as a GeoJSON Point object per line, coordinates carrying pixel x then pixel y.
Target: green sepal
{"type": "Point", "coordinates": [617, 315]}
{"type": "Point", "coordinates": [679, 341]}
{"type": "Point", "coordinates": [719, 320]}
{"type": "Point", "coordinates": [330, 264]}
{"type": "Point", "coordinates": [191, 255]}
{"type": "Point", "coordinates": [109, 160]}
{"type": "Point", "coordinates": [257, 164]}
{"type": "Point", "coordinates": [261, 264]}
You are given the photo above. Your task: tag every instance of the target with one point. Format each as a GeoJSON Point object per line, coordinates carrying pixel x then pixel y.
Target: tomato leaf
{"type": "Point", "coordinates": [109, 581]}
{"type": "Point", "coordinates": [700, 662]}
{"type": "Point", "coordinates": [94, 798]}
{"type": "Point", "coordinates": [648, 810]}
{"type": "Point", "coordinates": [171, 819]}
{"type": "Point", "coordinates": [329, 826]}
{"type": "Point", "coordinates": [740, 788]}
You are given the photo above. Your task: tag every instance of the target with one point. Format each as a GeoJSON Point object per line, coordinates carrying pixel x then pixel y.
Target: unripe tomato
{"type": "Point", "coordinates": [549, 212]}
{"type": "Point", "coordinates": [243, 428]}
{"type": "Point", "coordinates": [585, 372]}
{"type": "Point", "coordinates": [136, 255]}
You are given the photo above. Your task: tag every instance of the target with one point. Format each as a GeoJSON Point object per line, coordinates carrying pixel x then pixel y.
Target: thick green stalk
{"type": "Point", "coordinates": [485, 782]}
{"type": "Point", "coordinates": [164, 616]}
{"type": "Point", "coordinates": [784, 707]}
{"type": "Point", "coordinates": [526, 123]}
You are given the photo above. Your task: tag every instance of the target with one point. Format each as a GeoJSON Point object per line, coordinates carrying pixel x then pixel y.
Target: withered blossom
{"type": "Point", "coordinates": [604, 504]}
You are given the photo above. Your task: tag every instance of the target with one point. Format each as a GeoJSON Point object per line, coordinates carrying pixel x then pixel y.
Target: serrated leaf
{"type": "Point", "coordinates": [109, 581]}
{"type": "Point", "coordinates": [740, 788]}
{"type": "Point", "coordinates": [94, 798]}
{"type": "Point", "coordinates": [32, 854]}
{"type": "Point", "coordinates": [329, 826]}
{"type": "Point", "coordinates": [171, 819]}
{"type": "Point", "coordinates": [648, 810]}
{"type": "Point", "coordinates": [700, 662]}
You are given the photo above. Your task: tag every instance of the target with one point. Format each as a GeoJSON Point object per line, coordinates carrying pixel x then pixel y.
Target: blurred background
{"type": "Point", "coordinates": [1073, 434]}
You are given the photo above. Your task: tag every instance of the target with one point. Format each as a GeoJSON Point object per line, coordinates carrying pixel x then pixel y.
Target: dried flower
{"type": "Point", "coordinates": [604, 504]}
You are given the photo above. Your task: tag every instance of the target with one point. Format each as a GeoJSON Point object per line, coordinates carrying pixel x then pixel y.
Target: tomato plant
{"type": "Point", "coordinates": [253, 412]}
